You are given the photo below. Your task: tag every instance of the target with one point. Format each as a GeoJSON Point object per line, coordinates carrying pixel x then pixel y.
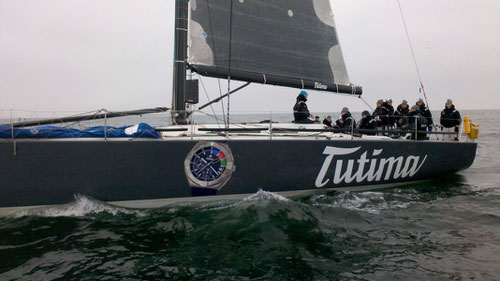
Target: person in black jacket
{"type": "Point", "coordinates": [450, 117]}
{"type": "Point", "coordinates": [367, 123]}
{"type": "Point", "coordinates": [328, 121]}
{"type": "Point", "coordinates": [345, 121]}
{"type": "Point", "coordinates": [300, 111]}
{"type": "Point", "coordinates": [401, 115]}
{"type": "Point", "coordinates": [381, 114]}
{"type": "Point", "coordinates": [425, 112]}
{"type": "Point", "coordinates": [450, 120]}
{"type": "Point", "coordinates": [417, 122]}
{"type": "Point", "coordinates": [390, 113]}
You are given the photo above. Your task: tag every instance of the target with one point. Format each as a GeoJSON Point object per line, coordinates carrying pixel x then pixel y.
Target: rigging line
{"type": "Point", "coordinates": [208, 114]}
{"type": "Point", "coordinates": [412, 52]}
{"type": "Point", "coordinates": [88, 118]}
{"type": "Point", "coordinates": [212, 35]}
{"type": "Point", "coordinates": [223, 96]}
{"type": "Point", "coordinates": [59, 119]}
{"type": "Point", "coordinates": [367, 104]}
{"type": "Point", "coordinates": [230, 46]}
{"type": "Point", "coordinates": [228, 96]}
{"type": "Point", "coordinates": [203, 86]}
{"type": "Point", "coordinates": [222, 104]}
{"type": "Point", "coordinates": [77, 113]}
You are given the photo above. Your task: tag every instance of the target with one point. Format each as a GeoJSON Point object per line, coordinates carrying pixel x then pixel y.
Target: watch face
{"type": "Point", "coordinates": [208, 163]}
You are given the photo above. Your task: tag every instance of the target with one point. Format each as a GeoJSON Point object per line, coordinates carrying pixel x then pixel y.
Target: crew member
{"type": "Point", "coordinates": [328, 121]}
{"type": "Point", "coordinates": [345, 121]}
{"type": "Point", "coordinates": [425, 112]}
{"type": "Point", "coordinates": [450, 120]}
{"type": "Point", "coordinates": [300, 111]}
{"type": "Point", "coordinates": [367, 123]}
{"type": "Point", "coordinates": [381, 114]}
{"type": "Point", "coordinates": [417, 123]}
{"type": "Point", "coordinates": [390, 112]}
{"type": "Point", "coordinates": [401, 114]}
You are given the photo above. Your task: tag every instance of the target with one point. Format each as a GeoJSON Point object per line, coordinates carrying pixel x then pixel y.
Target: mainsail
{"type": "Point", "coordinates": [290, 43]}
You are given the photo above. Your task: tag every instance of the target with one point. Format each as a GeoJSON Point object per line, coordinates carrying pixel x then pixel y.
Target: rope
{"type": "Point", "coordinates": [230, 53]}
{"type": "Point", "coordinates": [214, 116]}
{"type": "Point", "coordinates": [212, 35]}
{"type": "Point", "coordinates": [367, 104]}
{"type": "Point", "coordinates": [222, 104]}
{"type": "Point", "coordinates": [412, 52]}
{"type": "Point", "coordinates": [213, 111]}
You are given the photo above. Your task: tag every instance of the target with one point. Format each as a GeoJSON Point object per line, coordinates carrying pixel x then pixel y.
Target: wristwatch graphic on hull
{"type": "Point", "coordinates": [209, 165]}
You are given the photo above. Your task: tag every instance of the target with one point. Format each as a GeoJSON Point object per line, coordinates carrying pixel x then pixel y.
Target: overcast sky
{"type": "Point", "coordinates": [81, 55]}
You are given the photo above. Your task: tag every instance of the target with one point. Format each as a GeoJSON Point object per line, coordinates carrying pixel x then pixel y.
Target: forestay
{"type": "Point", "coordinates": [290, 43]}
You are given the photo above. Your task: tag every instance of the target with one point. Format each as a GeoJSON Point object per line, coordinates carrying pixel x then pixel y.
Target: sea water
{"type": "Point", "coordinates": [447, 229]}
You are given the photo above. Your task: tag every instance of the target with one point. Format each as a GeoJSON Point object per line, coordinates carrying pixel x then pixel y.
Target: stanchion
{"type": "Point", "coordinates": [12, 134]}
{"type": "Point", "coordinates": [105, 125]}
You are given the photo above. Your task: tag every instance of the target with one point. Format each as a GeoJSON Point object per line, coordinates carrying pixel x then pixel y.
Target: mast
{"type": "Point", "coordinates": [180, 56]}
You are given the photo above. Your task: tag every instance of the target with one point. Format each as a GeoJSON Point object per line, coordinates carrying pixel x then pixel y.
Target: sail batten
{"type": "Point", "coordinates": [290, 43]}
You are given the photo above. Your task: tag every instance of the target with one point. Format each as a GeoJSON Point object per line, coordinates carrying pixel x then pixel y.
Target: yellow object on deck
{"type": "Point", "coordinates": [471, 129]}
{"type": "Point", "coordinates": [467, 124]}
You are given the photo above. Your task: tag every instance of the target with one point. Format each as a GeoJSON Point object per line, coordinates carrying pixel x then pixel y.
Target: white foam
{"type": "Point", "coordinates": [262, 195]}
{"type": "Point", "coordinates": [82, 206]}
{"type": "Point", "coordinates": [370, 202]}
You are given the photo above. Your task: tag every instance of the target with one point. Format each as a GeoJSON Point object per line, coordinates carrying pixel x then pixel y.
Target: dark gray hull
{"type": "Point", "coordinates": [47, 172]}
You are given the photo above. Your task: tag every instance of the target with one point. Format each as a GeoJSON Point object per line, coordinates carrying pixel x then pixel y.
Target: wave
{"type": "Point", "coordinates": [82, 206]}
{"type": "Point", "coordinates": [266, 196]}
{"type": "Point", "coordinates": [261, 197]}
{"type": "Point", "coordinates": [268, 202]}
{"type": "Point", "coordinates": [370, 202]}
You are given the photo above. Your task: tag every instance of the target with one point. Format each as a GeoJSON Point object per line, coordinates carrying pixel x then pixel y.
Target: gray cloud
{"type": "Point", "coordinates": [81, 55]}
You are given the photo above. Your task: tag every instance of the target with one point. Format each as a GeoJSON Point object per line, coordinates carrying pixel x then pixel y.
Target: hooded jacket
{"type": "Point", "coordinates": [382, 113]}
{"type": "Point", "coordinates": [348, 121]}
{"type": "Point", "coordinates": [368, 123]}
{"type": "Point", "coordinates": [327, 123]}
{"type": "Point", "coordinates": [390, 113]}
{"type": "Point", "coordinates": [402, 114]}
{"type": "Point", "coordinates": [418, 122]}
{"type": "Point", "coordinates": [427, 114]}
{"type": "Point", "coordinates": [450, 117]}
{"type": "Point", "coordinates": [300, 111]}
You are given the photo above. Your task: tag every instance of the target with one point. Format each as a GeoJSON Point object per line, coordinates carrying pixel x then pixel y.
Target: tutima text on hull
{"type": "Point", "coordinates": [141, 166]}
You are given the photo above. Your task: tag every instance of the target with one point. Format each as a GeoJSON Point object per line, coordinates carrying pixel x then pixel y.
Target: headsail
{"type": "Point", "coordinates": [290, 43]}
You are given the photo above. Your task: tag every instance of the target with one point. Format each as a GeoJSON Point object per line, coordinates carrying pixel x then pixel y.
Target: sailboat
{"type": "Point", "coordinates": [291, 43]}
